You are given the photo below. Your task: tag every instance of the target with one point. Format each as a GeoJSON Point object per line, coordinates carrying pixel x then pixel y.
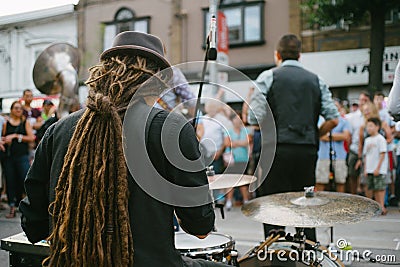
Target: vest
{"type": "Point", "coordinates": [295, 102]}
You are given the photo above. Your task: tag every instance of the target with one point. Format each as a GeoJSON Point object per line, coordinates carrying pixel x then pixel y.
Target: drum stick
{"type": "Point", "coordinates": [276, 234]}
{"type": "Point", "coordinates": [259, 248]}
{"type": "Point", "coordinates": [268, 242]}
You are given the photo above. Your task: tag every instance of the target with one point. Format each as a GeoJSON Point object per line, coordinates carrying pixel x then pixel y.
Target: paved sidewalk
{"type": "Point", "coordinates": [8, 227]}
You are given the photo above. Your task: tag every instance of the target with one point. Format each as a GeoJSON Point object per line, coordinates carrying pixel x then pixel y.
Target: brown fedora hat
{"type": "Point", "coordinates": [138, 43]}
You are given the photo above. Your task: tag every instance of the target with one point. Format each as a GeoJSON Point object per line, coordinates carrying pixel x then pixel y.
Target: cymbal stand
{"type": "Point", "coordinates": [300, 238]}
{"type": "Point", "coordinates": [233, 254]}
{"type": "Point", "coordinates": [210, 172]}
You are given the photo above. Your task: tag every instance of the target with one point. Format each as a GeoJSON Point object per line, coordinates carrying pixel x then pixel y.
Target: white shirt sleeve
{"type": "Point", "coordinates": [382, 145]}
{"type": "Point", "coordinates": [394, 95]}
{"type": "Point", "coordinates": [258, 101]}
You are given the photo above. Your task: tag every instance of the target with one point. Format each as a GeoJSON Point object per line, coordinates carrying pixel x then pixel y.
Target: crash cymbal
{"type": "Point", "coordinates": [323, 209]}
{"type": "Point", "coordinates": [225, 181]}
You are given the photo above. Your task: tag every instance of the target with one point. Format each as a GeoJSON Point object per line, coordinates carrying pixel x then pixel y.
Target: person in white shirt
{"type": "Point", "coordinates": [356, 120]}
{"type": "Point", "coordinates": [375, 162]}
{"type": "Point", "coordinates": [394, 96]}
{"type": "Point", "coordinates": [212, 140]}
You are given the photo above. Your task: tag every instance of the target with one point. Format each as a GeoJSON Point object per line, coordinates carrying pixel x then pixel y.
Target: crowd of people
{"type": "Point", "coordinates": [342, 154]}
{"type": "Point", "coordinates": [372, 110]}
{"type": "Point", "coordinates": [21, 131]}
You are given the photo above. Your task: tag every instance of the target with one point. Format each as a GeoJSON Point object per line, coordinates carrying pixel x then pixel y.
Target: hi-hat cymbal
{"type": "Point", "coordinates": [225, 181]}
{"type": "Point", "coordinates": [324, 209]}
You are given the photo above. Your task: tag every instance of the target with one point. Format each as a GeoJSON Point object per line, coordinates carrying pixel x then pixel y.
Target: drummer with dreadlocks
{"type": "Point", "coordinates": [81, 193]}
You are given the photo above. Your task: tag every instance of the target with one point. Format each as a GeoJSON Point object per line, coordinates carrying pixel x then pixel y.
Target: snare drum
{"type": "Point", "coordinates": [215, 247]}
{"type": "Point", "coordinates": [285, 253]}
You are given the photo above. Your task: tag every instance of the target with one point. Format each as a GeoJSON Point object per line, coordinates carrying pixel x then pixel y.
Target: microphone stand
{"type": "Point", "coordinates": [203, 74]}
{"type": "Point", "coordinates": [210, 54]}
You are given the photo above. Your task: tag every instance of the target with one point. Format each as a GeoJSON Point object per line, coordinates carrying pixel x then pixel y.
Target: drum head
{"type": "Point", "coordinates": [186, 242]}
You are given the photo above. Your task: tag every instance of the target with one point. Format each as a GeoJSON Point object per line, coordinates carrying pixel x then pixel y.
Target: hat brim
{"type": "Point", "coordinates": [141, 51]}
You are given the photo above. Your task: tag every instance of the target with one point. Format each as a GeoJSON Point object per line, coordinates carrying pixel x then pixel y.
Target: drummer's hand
{"type": "Point", "coordinates": [183, 228]}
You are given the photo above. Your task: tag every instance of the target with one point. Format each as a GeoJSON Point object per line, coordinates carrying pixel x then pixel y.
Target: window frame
{"type": "Point", "coordinates": [394, 14]}
{"type": "Point", "coordinates": [242, 6]}
{"type": "Point", "coordinates": [118, 23]}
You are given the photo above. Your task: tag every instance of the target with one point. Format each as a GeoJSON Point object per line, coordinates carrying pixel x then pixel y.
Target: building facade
{"type": "Point", "coordinates": [340, 52]}
{"type": "Point", "coordinates": [23, 37]}
{"type": "Point", "coordinates": [339, 55]}
{"type": "Point", "coordinates": [254, 26]}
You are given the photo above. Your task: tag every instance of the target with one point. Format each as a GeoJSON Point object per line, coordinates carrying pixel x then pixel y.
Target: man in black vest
{"type": "Point", "coordinates": [296, 97]}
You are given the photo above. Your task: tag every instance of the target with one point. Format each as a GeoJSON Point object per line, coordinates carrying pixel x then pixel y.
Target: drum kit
{"type": "Point", "coordinates": [295, 209]}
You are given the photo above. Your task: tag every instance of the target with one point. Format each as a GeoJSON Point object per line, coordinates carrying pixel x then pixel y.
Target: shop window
{"type": "Point", "coordinates": [245, 22]}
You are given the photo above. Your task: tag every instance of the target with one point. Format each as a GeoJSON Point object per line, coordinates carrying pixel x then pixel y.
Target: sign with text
{"type": "Point", "coordinates": [349, 67]}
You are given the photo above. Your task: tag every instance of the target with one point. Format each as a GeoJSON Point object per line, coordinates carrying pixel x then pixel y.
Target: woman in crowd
{"type": "Point", "coordinates": [17, 133]}
{"type": "Point", "coordinates": [237, 144]}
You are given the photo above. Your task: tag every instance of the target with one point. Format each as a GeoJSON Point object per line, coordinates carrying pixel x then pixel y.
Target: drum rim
{"type": "Point", "coordinates": [214, 249]}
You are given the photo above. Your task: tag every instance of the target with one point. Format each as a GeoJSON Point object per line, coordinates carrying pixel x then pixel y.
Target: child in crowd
{"type": "Point", "coordinates": [375, 162]}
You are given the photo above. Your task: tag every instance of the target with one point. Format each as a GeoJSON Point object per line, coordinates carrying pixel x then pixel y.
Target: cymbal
{"type": "Point", "coordinates": [225, 181]}
{"type": "Point", "coordinates": [324, 209]}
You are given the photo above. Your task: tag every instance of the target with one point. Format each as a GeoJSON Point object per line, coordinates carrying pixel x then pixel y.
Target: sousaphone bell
{"type": "Point", "coordinates": [55, 72]}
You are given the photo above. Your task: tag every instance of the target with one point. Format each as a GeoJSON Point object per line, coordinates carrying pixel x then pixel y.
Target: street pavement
{"type": "Point", "coordinates": [378, 235]}
{"type": "Point", "coordinates": [8, 227]}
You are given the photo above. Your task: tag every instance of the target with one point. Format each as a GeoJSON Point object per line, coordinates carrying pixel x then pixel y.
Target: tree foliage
{"type": "Point", "coordinates": [328, 12]}
{"type": "Point", "coordinates": [320, 13]}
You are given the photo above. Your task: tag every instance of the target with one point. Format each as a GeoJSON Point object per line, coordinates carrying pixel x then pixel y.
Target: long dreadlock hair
{"type": "Point", "coordinates": [90, 211]}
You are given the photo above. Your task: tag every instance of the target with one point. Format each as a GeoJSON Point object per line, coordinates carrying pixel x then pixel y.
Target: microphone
{"type": "Point", "coordinates": [212, 51]}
